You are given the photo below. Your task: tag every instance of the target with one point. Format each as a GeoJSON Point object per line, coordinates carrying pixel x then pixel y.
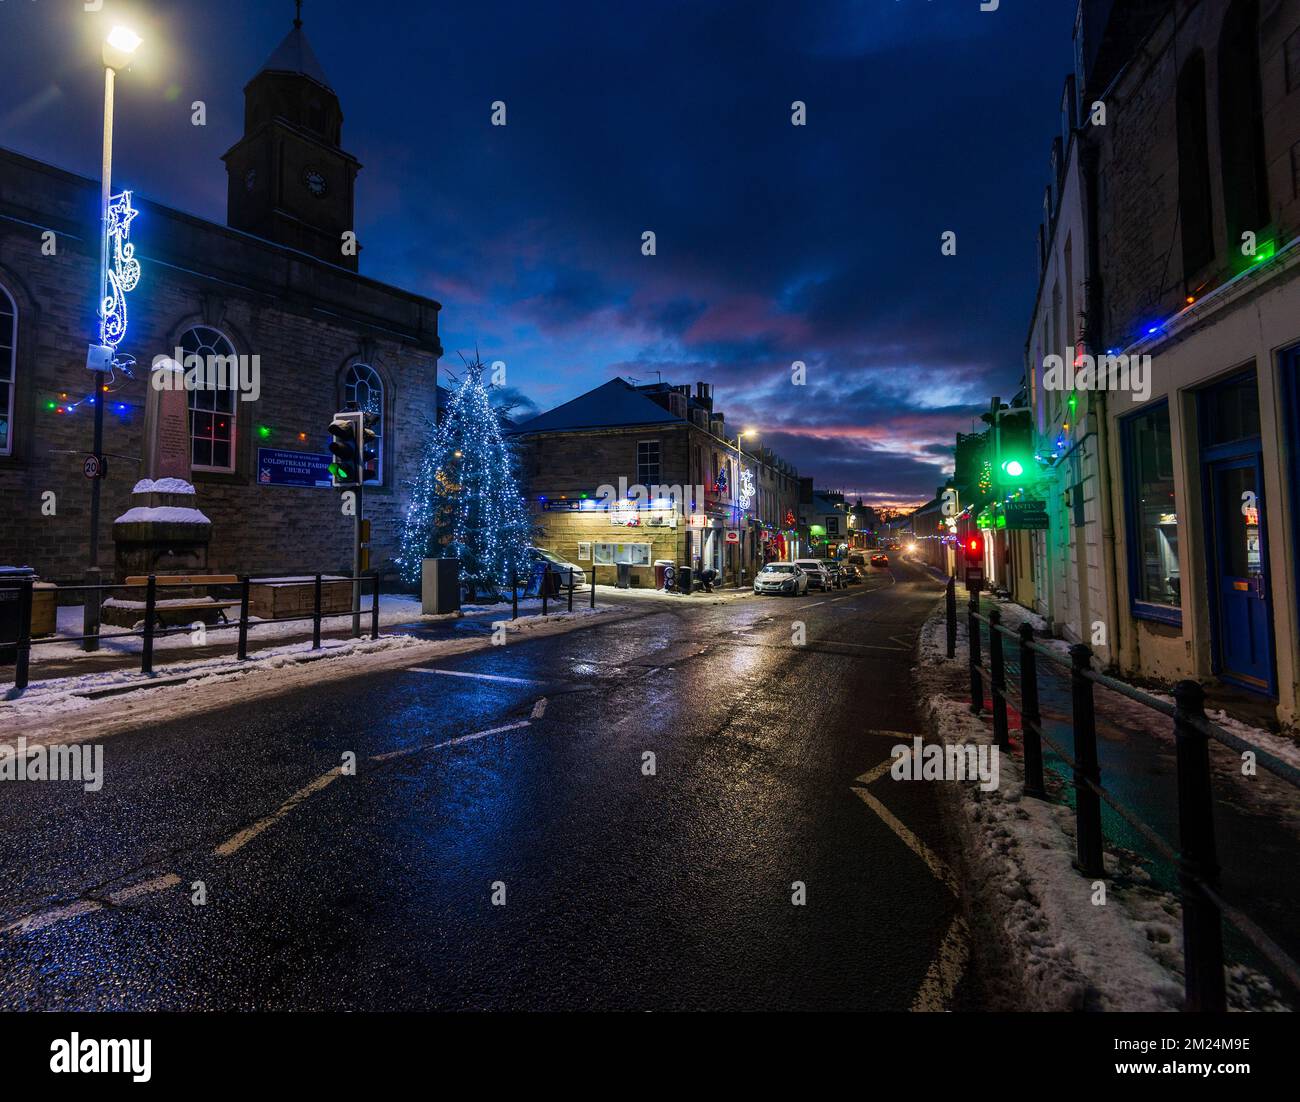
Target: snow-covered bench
{"type": "Point", "coordinates": [201, 604]}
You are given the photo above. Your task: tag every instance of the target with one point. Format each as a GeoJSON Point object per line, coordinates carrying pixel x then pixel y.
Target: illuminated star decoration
{"type": "Point", "coordinates": [123, 273]}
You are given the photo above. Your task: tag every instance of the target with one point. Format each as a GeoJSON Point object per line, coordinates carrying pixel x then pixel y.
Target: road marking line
{"type": "Point", "coordinates": [860, 646]}
{"type": "Point", "coordinates": [912, 842]}
{"type": "Point", "coordinates": [238, 841]}
{"type": "Point", "coordinates": [539, 709]}
{"type": "Point", "coordinates": [34, 923]}
{"type": "Point", "coordinates": [873, 775]}
{"type": "Point", "coordinates": [949, 965]}
{"type": "Point", "coordinates": [157, 884]}
{"type": "Point", "coordinates": [814, 604]}
{"type": "Point", "coordinates": [408, 750]}
{"type": "Point", "coordinates": [481, 676]}
{"type": "Point", "coordinates": [945, 971]}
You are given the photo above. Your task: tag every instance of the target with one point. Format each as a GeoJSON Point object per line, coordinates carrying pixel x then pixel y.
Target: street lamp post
{"type": "Point", "coordinates": [735, 501]}
{"type": "Point", "coordinates": [119, 47]}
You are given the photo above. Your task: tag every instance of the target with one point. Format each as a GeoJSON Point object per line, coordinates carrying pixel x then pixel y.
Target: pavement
{"type": "Point", "coordinates": [1256, 815]}
{"type": "Point", "coordinates": [673, 810]}
{"type": "Point", "coordinates": [47, 666]}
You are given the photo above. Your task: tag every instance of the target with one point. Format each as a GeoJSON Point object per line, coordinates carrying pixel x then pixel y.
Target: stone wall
{"type": "Point", "coordinates": [1140, 235]}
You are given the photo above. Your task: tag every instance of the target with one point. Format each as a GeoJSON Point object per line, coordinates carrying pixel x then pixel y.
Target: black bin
{"type": "Point", "coordinates": [11, 600]}
{"type": "Point", "coordinates": [684, 579]}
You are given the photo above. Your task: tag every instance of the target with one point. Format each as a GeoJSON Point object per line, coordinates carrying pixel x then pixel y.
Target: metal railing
{"type": "Point", "coordinates": [545, 590]}
{"type": "Point", "coordinates": [153, 614]}
{"type": "Point", "coordinates": [1196, 859]}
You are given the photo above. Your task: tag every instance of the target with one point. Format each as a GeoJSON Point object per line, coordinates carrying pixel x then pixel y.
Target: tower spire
{"type": "Point", "coordinates": [297, 14]}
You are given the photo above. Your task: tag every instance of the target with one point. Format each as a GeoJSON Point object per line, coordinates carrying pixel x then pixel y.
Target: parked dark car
{"type": "Point", "coordinates": [818, 576]}
{"type": "Point", "coordinates": [835, 573]}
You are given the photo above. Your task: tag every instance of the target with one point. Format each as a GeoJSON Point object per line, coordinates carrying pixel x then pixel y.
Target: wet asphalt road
{"type": "Point", "coordinates": [622, 890]}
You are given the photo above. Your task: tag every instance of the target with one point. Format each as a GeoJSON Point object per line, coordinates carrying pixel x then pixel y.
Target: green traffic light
{"type": "Point", "coordinates": [1014, 468]}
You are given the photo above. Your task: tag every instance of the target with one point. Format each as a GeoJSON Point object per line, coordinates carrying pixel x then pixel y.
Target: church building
{"type": "Point", "coordinates": [277, 287]}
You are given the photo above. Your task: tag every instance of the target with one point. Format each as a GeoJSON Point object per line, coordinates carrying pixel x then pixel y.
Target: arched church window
{"type": "Point", "coordinates": [363, 389]}
{"type": "Point", "coordinates": [212, 406]}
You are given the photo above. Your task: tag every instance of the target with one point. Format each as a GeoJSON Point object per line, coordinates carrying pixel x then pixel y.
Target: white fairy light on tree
{"type": "Point", "coordinates": [466, 502]}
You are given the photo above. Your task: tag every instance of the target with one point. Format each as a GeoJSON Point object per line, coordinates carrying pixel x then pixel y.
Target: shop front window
{"type": "Point", "coordinates": [1153, 518]}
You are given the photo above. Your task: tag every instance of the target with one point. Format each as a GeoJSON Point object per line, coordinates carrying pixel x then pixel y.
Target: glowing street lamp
{"type": "Point", "coordinates": [115, 219]}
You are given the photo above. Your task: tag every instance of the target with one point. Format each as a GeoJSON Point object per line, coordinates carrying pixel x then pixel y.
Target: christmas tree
{"type": "Point", "coordinates": [466, 502]}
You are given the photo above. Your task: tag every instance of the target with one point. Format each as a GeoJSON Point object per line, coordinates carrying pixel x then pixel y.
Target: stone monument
{"type": "Point", "coordinates": [163, 532]}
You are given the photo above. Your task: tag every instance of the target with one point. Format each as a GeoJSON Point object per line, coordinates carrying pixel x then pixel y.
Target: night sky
{"type": "Point", "coordinates": [775, 243]}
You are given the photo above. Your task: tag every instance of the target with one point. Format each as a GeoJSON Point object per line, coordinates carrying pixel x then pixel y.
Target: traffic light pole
{"type": "Point", "coordinates": [356, 563]}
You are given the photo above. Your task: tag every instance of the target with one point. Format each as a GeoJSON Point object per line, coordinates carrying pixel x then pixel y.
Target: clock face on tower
{"type": "Point", "coordinates": [314, 182]}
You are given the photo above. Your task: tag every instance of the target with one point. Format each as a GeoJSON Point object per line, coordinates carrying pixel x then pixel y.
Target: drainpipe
{"type": "Point", "coordinates": [1093, 337]}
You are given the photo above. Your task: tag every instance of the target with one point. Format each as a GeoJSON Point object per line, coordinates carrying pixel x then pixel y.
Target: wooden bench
{"type": "Point", "coordinates": [206, 605]}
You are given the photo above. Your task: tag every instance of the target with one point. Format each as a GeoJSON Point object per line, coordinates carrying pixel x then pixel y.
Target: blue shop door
{"type": "Point", "coordinates": [1243, 642]}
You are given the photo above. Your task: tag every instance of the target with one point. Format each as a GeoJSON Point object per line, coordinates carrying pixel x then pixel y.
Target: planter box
{"type": "Point", "coordinates": [278, 597]}
{"type": "Point", "coordinates": [45, 609]}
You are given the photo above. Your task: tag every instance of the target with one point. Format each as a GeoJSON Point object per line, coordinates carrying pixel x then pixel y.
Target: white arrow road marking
{"type": "Point", "coordinates": [481, 676]}
{"type": "Point", "coordinates": [948, 966]}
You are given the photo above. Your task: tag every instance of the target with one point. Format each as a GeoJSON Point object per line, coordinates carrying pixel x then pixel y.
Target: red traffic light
{"type": "Point", "coordinates": [974, 549]}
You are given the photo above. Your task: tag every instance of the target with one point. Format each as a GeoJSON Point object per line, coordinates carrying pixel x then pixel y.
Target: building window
{"type": "Point", "coordinates": [1154, 580]}
{"type": "Point", "coordinates": [363, 389]}
{"type": "Point", "coordinates": [613, 554]}
{"type": "Point", "coordinates": [8, 369]}
{"type": "Point", "coordinates": [212, 408]}
{"type": "Point", "coordinates": [647, 463]}
{"type": "Point", "coordinates": [1232, 414]}
{"type": "Point", "coordinates": [1194, 209]}
{"type": "Point", "coordinates": [1241, 123]}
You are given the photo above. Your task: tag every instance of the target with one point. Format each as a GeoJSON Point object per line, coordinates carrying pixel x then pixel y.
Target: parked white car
{"type": "Point", "coordinates": [818, 578]}
{"type": "Point", "coordinates": [540, 556]}
{"type": "Point", "coordinates": [781, 577]}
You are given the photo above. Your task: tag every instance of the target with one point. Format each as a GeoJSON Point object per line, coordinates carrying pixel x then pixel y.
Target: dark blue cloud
{"type": "Point", "coordinates": [775, 243]}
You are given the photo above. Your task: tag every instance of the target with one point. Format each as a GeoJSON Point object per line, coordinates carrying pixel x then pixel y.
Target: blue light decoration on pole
{"type": "Point", "coordinates": [122, 273]}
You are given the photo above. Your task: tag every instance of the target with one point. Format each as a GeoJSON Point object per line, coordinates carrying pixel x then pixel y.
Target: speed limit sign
{"type": "Point", "coordinates": [95, 466]}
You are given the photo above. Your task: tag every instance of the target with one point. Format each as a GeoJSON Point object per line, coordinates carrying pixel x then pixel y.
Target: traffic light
{"type": "Point", "coordinates": [346, 446]}
{"type": "Point", "coordinates": [973, 546]}
{"type": "Point", "coordinates": [369, 448]}
{"type": "Point", "coordinates": [1015, 452]}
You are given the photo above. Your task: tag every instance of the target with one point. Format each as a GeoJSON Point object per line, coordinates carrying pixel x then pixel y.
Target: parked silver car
{"type": "Point", "coordinates": [781, 577]}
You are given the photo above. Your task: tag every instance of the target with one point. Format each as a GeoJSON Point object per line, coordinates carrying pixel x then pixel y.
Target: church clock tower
{"type": "Point", "coordinates": [289, 180]}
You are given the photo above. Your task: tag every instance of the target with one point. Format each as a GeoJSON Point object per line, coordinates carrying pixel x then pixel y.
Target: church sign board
{"type": "Point", "coordinates": [286, 468]}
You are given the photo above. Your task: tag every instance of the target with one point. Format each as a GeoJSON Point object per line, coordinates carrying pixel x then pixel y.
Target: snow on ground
{"type": "Point", "coordinates": [1044, 943]}
{"type": "Point", "coordinates": [67, 709]}
{"type": "Point", "coordinates": [397, 608]}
